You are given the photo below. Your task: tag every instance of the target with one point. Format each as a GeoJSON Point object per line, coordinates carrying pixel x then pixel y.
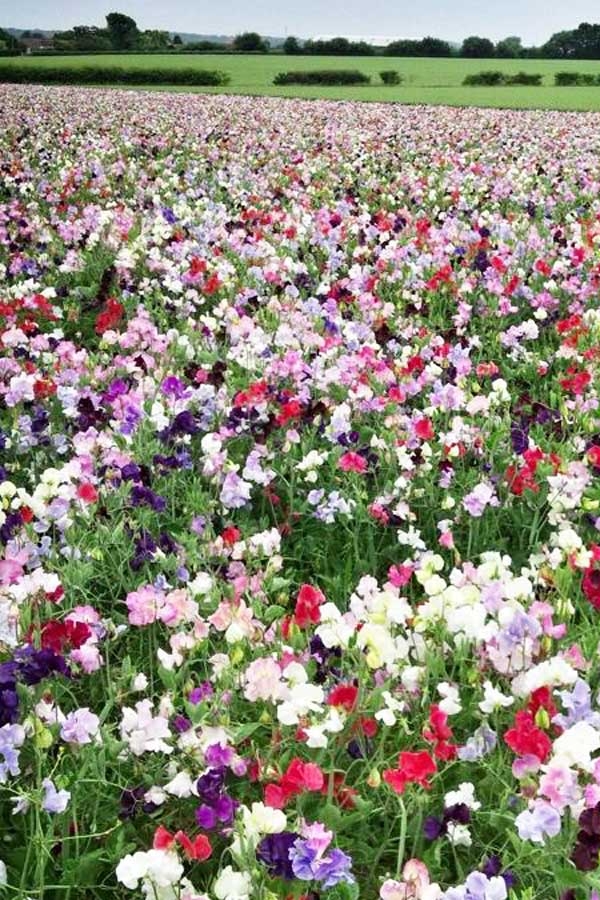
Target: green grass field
{"type": "Point", "coordinates": [428, 81]}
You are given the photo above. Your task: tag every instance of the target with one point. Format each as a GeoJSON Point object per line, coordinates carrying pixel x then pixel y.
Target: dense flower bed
{"type": "Point", "coordinates": [299, 499]}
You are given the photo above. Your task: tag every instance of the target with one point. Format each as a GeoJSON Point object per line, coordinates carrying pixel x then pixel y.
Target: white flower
{"type": "Point", "coordinates": [143, 732]}
{"type": "Point", "coordinates": [139, 683]}
{"type": "Point", "coordinates": [387, 715]}
{"type": "Point", "coordinates": [181, 785]}
{"type": "Point", "coordinates": [575, 746]}
{"type": "Point", "coordinates": [161, 868]}
{"type": "Point", "coordinates": [261, 819]}
{"type": "Point", "coordinates": [451, 702]}
{"type": "Point", "coordinates": [493, 699]}
{"type": "Point", "coordinates": [300, 700]}
{"type": "Point", "coordinates": [465, 794]}
{"type": "Point", "coordinates": [232, 885]}
{"type": "Point", "coordinates": [459, 835]}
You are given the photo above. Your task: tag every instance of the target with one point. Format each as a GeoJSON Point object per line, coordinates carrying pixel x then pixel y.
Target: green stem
{"type": "Point", "coordinates": [402, 839]}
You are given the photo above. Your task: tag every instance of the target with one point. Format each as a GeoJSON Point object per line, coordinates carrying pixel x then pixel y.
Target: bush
{"type": "Point", "coordinates": [21, 74]}
{"type": "Point", "coordinates": [575, 79]}
{"type": "Point", "coordinates": [495, 78]}
{"type": "Point", "coordinates": [322, 76]}
{"type": "Point", "coordinates": [525, 78]}
{"type": "Point", "coordinates": [491, 78]}
{"type": "Point", "coordinates": [390, 76]}
{"type": "Point", "coordinates": [11, 52]}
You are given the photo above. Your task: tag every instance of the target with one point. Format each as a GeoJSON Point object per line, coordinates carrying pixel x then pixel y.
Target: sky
{"type": "Point", "coordinates": [533, 20]}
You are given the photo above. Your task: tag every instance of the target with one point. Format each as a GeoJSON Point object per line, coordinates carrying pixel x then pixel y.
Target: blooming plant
{"type": "Point", "coordinates": [299, 499]}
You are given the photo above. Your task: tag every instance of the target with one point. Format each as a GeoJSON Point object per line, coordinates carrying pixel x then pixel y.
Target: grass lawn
{"type": "Point", "coordinates": [427, 81]}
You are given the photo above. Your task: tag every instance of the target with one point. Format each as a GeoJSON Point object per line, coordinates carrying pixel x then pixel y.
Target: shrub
{"type": "Point", "coordinates": [110, 75]}
{"type": "Point", "coordinates": [495, 78]}
{"type": "Point", "coordinates": [575, 79]}
{"type": "Point", "coordinates": [490, 78]}
{"type": "Point", "coordinates": [322, 76]}
{"type": "Point", "coordinates": [390, 76]}
{"type": "Point", "coordinates": [525, 78]}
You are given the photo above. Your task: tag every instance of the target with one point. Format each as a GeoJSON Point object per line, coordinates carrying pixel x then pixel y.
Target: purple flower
{"type": "Point", "coordinates": [274, 852]}
{"type": "Point", "coordinates": [334, 869]}
{"type": "Point", "coordinates": [210, 785]}
{"type": "Point", "coordinates": [54, 801]}
{"type": "Point", "coordinates": [206, 817]}
{"type": "Point", "coordinates": [539, 822]}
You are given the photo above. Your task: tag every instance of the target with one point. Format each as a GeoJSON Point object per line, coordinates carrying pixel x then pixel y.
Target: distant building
{"type": "Point", "coordinates": [377, 40]}
{"type": "Point", "coordinates": [37, 43]}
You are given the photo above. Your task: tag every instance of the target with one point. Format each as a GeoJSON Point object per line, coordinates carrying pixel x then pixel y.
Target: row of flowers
{"type": "Point", "coordinates": [299, 499]}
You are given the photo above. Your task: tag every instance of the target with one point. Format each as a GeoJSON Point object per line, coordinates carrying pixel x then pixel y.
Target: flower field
{"type": "Point", "coordinates": [299, 499]}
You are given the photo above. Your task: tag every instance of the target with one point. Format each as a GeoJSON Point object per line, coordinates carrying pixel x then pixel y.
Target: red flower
{"type": "Point", "coordinates": [57, 636]}
{"type": "Point", "coordinates": [591, 586]}
{"type": "Point", "coordinates": [352, 462]}
{"type": "Point", "coordinates": [439, 733]}
{"type": "Point", "coordinates": [200, 848]}
{"type": "Point", "coordinates": [344, 695]}
{"type": "Point", "coordinates": [525, 738]}
{"type": "Point", "coordinates": [424, 430]}
{"type": "Point", "coordinates": [87, 492]}
{"type": "Point", "coordinates": [412, 767]}
{"type": "Point", "coordinates": [298, 778]}
{"type": "Point", "coordinates": [576, 383]}
{"type": "Point", "coordinates": [307, 606]}
{"type": "Point", "coordinates": [110, 316]}
{"type": "Point", "coordinates": [342, 793]}
{"type": "Point", "coordinates": [230, 535]}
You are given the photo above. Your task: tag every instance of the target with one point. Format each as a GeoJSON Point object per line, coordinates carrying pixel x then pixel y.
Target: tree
{"type": "Point", "coordinates": [122, 30]}
{"type": "Point", "coordinates": [250, 42]}
{"type": "Point", "coordinates": [177, 42]}
{"type": "Point", "coordinates": [152, 39]}
{"type": "Point", "coordinates": [477, 48]}
{"type": "Point", "coordinates": [582, 43]}
{"type": "Point", "coordinates": [510, 48]}
{"type": "Point", "coordinates": [431, 46]}
{"type": "Point", "coordinates": [8, 41]}
{"type": "Point", "coordinates": [291, 46]}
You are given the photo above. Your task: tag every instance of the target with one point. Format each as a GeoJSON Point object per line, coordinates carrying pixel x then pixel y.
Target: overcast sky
{"type": "Point", "coordinates": [533, 20]}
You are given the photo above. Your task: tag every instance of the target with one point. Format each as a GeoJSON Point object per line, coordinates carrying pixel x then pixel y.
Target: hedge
{"type": "Point", "coordinates": [110, 75]}
{"type": "Point", "coordinates": [576, 79]}
{"type": "Point", "coordinates": [390, 76]}
{"type": "Point", "coordinates": [496, 78]}
{"type": "Point", "coordinates": [322, 76]}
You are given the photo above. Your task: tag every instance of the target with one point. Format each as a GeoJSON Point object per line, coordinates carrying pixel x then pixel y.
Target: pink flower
{"type": "Point", "coordinates": [144, 605]}
{"type": "Point", "coordinates": [177, 608]}
{"type": "Point", "coordinates": [263, 680]}
{"type": "Point", "coordinates": [352, 462]}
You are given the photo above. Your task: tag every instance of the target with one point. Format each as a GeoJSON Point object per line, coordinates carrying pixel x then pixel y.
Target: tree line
{"type": "Point", "coordinates": [122, 33]}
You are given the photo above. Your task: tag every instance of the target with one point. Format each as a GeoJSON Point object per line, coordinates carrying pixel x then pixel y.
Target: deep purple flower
{"type": "Point", "coordinates": [433, 828]}
{"type": "Point", "coordinates": [34, 665]}
{"type": "Point", "coordinates": [210, 785]}
{"type": "Point", "coordinates": [274, 852]}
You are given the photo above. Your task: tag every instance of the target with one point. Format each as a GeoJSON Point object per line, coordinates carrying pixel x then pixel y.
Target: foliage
{"type": "Point", "coordinates": [509, 48]}
{"type": "Point", "coordinates": [111, 75]}
{"type": "Point", "coordinates": [338, 46]}
{"type": "Point", "coordinates": [122, 30]}
{"type": "Point", "coordinates": [322, 76]}
{"type": "Point", "coordinates": [477, 48]}
{"type": "Point", "coordinates": [429, 46]}
{"type": "Point", "coordinates": [576, 79]}
{"type": "Point", "coordinates": [292, 46]}
{"type": "Point", "coordinates": [495, 78]}
{"type": "Point", "coordinates": [390, 76]}
{"type": "Point", "coordinates": [581, 43]}
{"type": "Point", "coordinates": [250, 42]}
